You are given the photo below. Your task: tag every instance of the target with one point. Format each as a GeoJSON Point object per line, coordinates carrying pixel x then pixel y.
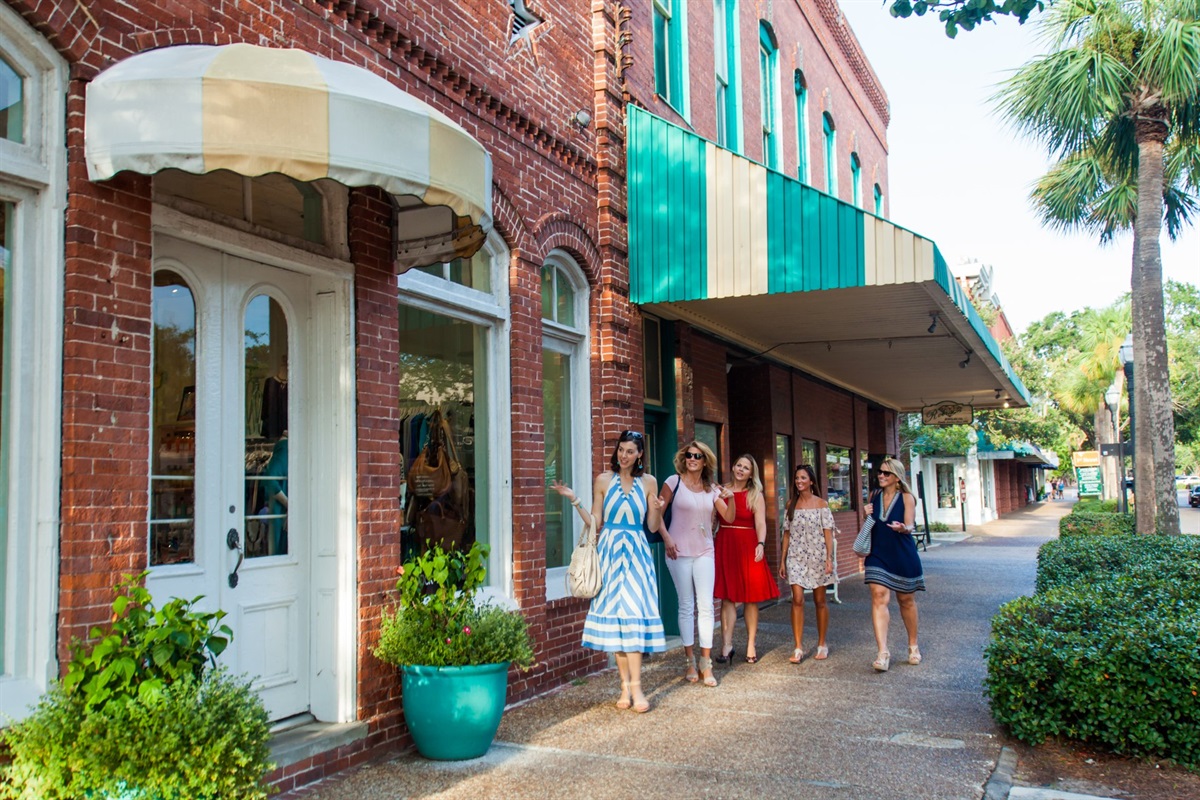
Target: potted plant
{"type": "Point", "coordinates": [453, 652]}
{"type": "Point", "coordinates": [143, 714]}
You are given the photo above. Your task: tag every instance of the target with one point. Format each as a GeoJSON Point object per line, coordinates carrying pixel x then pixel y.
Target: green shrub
{"type": "Point", "coordinates": [1088, 559]}
{"type": "Point", "coordinates": [438, 623]}
{"type": "Point", "coordinates": [1107, 651]}
{"type": "Point", "coordinates": [195, 739]}
{"type": "Point", "coordinates": [938, 527]}
{"type": "Point", "coordinates": [1096, 524]}
{"type": "Point", "coordinates": [1094, 505]}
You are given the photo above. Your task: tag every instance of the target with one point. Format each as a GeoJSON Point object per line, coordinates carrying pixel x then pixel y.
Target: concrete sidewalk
{"type": "Point", "coordinates": [773, 729]}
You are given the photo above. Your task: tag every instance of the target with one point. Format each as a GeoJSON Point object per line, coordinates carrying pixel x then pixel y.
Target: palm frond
{"type": "Point", "coordinates": [1170, 61]}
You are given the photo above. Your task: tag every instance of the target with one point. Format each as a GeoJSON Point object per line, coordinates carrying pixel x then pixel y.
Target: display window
{"type": "Point", "coordinates": [947, 497]}
{"type": "Point", "coordinates": [783, 474]}
{"type": "Point", "coordinates": [838, 476]}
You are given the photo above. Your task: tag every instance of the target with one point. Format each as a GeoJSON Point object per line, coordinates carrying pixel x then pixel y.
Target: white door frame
{"type": "Point", "coordinates": [332, 599]}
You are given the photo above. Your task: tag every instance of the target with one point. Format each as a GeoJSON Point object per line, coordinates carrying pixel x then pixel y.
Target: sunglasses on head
{"type": "Point", "coordinates": [631, 435]}
{"type": "Point", "coordinates": [694, 456]}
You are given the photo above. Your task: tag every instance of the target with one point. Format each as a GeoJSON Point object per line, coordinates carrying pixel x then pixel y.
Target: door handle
{"type": "Point", "coordinates": [234, 542]}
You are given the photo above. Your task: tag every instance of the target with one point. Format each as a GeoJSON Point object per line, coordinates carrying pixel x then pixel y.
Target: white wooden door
{"type": "Point", "coordinates": [250, 550]}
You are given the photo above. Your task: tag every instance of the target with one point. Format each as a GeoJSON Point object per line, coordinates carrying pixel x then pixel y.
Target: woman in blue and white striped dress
{"type": "Point", "coordinates": [624, 617]}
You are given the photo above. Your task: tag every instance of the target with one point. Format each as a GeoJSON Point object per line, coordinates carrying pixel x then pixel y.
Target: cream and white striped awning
{"type": "Point", "coordinates": [256, 110]}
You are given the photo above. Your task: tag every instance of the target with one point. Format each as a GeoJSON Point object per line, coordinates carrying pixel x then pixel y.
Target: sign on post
{"type": "Point", "coordinates": [1087, 473]}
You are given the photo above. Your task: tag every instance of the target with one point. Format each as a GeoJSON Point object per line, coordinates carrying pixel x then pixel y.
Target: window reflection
{"type": "Point", "coordinates": [12, 104]}
{"type": "Point", "coordinates": [837, 478]}
{"type": "Point", "coordinates": [266, 453]}
{"type": "Point", "coordinates": [173, 449]}
{"type": "Point", "coordinates": [556, 394]}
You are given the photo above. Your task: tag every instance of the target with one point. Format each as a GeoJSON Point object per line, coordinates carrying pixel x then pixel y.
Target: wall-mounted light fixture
{"type": "Point", "coordinates": [582, 118]}
{"type": "Point", "coordinates": [933, 325]}
{"type": "Point", "coordinates": [963, 364]}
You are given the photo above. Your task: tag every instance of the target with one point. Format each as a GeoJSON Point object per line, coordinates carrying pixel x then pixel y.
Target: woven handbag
{"type": "Point", "coordinates": [583, 574]}
{"type": "Point", "coordinates": [862, 542]}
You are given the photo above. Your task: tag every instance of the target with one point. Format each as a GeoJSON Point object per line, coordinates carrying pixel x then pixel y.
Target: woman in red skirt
{"type": "Point", "coordinates": [742, 572]}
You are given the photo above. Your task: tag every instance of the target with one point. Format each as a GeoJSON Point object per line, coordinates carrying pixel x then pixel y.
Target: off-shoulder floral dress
{"type": "Point", "coordinates": [806, 547]}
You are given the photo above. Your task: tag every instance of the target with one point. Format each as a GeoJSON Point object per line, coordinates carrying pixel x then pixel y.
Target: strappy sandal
{"type": "Point", "coordinates": [690, 675]}
{"type": "Point", "coordinates": [623, 702]}
{"type": "Point", "coordinates": [706, 671]}
{"type": "Point", "coordinates": [822, 653]}
{"type": "Point", "coordinates": [798, 655]}
{"type": "Point", "coordinates": [914, 654]}
{"type": "Point", "coordinates": [644, 706]}
{"type": "Point", "coordinates": [883, 661]}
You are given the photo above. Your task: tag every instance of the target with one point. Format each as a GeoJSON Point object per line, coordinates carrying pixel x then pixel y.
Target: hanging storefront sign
{"type": "Point", "coordinates": [948, 413]}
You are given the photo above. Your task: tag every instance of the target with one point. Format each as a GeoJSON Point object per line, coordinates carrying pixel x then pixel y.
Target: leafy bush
{"type": "Point", "coordinates": [438, 623]}
{"type": "Point", "coordinates": [1087, 559]}
{"type": "Point", "coordinates": [146, 648]}
{"type": "Point", "coordinates": [1086, 523]}
{"type": "Point", "coordinates": [1094, 505]}
{"type": "Point", "coordinates": [939, 527]}
{"type": "Point", "coordinates": [195, 739]}
{"type": "Point", "coordinates": [1108, 650]}
{"type": "Point", "coordinates": [140, 716]}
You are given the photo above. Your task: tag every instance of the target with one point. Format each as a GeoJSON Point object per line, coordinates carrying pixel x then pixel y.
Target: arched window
{"type": "Point", "coordinates": [454, 360]}
{"type": "Point", "coordinates": [878, 200]}
{"type": "Point", "coordinates": [830, 153]}
{"type": "Point", "coordinates": [768, 69]}
{"type": "Point", "coordinates": [801, 87]}
{"type": "Point", "coordinates": [856, 179]}
{"type": "Point", "coordinates": [33, 82]}
{"type": "Point", "coordinates": [725, 59]}
{"type": "Point", "coordinates": [566, 406]}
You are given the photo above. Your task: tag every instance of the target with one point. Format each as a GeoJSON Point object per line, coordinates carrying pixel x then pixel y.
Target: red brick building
{"type": "Point", "coordinates": [255, 252]}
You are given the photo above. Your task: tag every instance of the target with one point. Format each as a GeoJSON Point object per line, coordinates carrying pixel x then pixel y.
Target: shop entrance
{"type": "Point", "coordinates": [231, 449]}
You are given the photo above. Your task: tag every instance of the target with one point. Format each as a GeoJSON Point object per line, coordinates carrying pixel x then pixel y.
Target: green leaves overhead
{"type": "Point", "coordinates": [966, 14]}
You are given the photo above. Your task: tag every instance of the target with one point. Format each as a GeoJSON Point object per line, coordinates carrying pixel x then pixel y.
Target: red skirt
{"type": "Point", "coordinates": [741, 579]}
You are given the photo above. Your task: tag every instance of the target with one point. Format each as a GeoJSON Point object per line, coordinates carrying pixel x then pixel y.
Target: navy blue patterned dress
{"type": "Point", "coordinates": [893, 562]}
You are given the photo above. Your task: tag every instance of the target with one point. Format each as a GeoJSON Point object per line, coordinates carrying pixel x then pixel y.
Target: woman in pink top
{"type": "Point", "coordinates": [693, 494]}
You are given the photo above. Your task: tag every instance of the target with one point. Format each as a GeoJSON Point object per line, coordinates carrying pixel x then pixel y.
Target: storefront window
{"type": "Point", "coordinates": [783, 473]}
{"type": "Point", "coordinates": [12, 104]}
{"type": "Point", "coordinates": [266, 454]}
{"type": "Point", "coordinates": [864, 476]}
{"type": "Point", "coordinates": [471, 272]}
{"type": "Point", "coordinates": [808, 455]}
{"type": "Point", "coordinates": [710, 434]}
{"type": "Point", "coordinates": [838, 470]}
{"type": "Point", "coordinates": [7, 218]}
{"type": "Point", "coordinates": [945, 486]}
{"type": "Point", "coordinates": [556, 394]}
{"type": "Point", "coordinates": [173, 452]}
{"type": "Point", "coordinates": [443, 395]}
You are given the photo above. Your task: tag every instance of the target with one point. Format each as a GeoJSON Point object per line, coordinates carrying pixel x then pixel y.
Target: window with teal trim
{"type": "Point", "coordinates": [878, 201]}
{"type": "Point", "coordinates": [668, 52]}
{"type": "Point", "coordinates": [768, 68]}
{"type": "Point", "coordinates": [725, 61]}
{"type": "Point", "coordinates": [856, 179]}
{"type": "Point", "coordinates": [830, 153]}
{"type": "Point", "coordinates": [801, 87]}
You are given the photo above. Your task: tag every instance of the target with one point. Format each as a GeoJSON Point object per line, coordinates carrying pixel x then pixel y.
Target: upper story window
{"type": "Point", "coordinates": [830, 153]}
{"type": "Point", "coordinates": [878, 200]}
{"type": "Point", "coordinates": [856, 179]}
{"type": "Point", "coordinates": [12, 103]}
{"type": "Point", "coordinates": [670, 57]}
{"type": "Point", "coordinates": [768, 58]}
{"type": "Point", "coordinates": [725, 60]}
{"type": "Point", "coordinates": [801, 86]}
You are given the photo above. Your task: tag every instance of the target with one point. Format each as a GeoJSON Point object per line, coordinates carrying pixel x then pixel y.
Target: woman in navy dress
{"type": "Point", "coordinates": [893, 565]}
{"type": "Point", "coordinates": [624, 618]}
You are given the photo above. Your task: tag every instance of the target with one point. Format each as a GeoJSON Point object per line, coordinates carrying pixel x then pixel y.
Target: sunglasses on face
{"type": "Point", "coordinates": [694, 456]}
{"type": "Point", "coordinates": [883, 472]}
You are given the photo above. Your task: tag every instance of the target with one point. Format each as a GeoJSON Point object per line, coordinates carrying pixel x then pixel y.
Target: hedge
{"type": "Point", "coordinates": [1096, 524]}
{"type": "Point", "coordinates": [1107, 651]}
{"type": "Point", "coordinates": [1067, 562]}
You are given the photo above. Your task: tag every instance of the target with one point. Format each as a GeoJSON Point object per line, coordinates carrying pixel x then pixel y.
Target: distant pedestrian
{"type": "Point", "coordinates": [695, 496]}
{"type": "Point", "coordinates": [807, 558]}
{"type": "Point", "coordinates": [742, 572]}
{"type": "Point", "coordinates": [624, 618]}
{"type": "Point", "coordinates": [893, 565]}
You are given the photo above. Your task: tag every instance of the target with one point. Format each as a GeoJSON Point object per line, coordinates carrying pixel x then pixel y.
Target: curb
{"type": "Point", "coordinates": [1000, 784]}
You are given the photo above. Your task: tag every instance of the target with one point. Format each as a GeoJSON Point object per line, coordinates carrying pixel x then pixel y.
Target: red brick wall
{"type": "Point", "coordinates": [812, 37]}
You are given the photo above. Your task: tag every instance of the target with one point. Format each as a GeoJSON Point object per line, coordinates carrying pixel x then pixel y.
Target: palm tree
{"type": "Point", "coordinates": [1082, 383]}
{"type": "Point", "coordinates": [1121, 81]}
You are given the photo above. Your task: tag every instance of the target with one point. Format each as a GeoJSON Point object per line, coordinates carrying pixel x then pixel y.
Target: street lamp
{"type": "Point", "coordinates": [1112, 398]}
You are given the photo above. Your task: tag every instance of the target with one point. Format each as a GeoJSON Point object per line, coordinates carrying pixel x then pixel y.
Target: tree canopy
{"type": "Point", "coordinates": [966, 14]}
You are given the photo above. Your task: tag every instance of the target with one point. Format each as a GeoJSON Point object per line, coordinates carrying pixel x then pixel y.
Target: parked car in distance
{"type": "Point", "coordinates": [1194, 496]}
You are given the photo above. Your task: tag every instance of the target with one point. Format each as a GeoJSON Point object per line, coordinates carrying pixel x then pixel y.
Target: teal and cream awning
{"type": "Point", "coordinates": [257, 110]}
{"type": "Point", "coordinates": [802, 278]}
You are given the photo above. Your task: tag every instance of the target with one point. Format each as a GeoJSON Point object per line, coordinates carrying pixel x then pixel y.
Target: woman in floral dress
{"type": "Point", "coordinates": [807, 561]}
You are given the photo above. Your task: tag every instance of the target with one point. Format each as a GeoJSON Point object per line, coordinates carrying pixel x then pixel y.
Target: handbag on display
{"type": "Point", "coordinates": [862, 542]}
{"type": "Point", "coordinates": [583, 574]}
{"type": "Point", "coordinates": [654, 537]}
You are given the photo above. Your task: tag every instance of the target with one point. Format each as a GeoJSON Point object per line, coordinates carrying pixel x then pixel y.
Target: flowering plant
{"type": "Point", "coordinates": [438, 622]}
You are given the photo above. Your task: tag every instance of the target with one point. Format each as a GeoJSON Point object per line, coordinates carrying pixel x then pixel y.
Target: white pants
{"type": "Point", "coordinates": [694, 579]}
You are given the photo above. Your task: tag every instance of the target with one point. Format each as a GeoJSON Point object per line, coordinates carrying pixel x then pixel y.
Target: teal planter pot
{"type": "Point", "coordinates": [453, 712]}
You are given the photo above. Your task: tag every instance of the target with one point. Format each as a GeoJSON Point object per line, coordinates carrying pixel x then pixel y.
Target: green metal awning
{"type": "Point", "coordinates": [798, 276]}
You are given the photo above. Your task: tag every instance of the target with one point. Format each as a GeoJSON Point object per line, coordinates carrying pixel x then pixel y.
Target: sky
{"type": "Point", "coordinates": [961, 177]}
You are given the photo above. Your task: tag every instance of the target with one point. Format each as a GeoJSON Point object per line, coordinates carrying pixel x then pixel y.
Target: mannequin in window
{"type": "Point", "coordinates": [275, 402]}
{"type": "Point", "coordinates": [275, 490]}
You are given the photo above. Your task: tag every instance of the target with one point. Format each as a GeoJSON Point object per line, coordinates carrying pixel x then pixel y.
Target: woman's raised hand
{"type": "Point", "coordinates": [563, 490]}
